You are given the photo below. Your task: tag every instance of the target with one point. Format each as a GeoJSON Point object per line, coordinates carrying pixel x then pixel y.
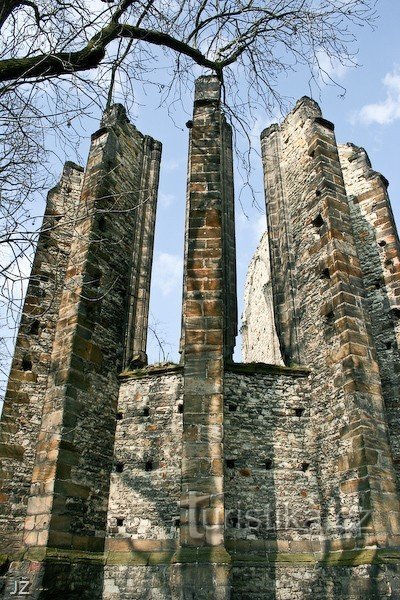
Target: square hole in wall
{"type": "Point", "coordinates": [120, 416]}
{"type": "Point", "coordinates": [119, 467]}
{"type": "Point", "coordinates": [318, 221]}
{"type": "Point", "coordinates": [180, 409]}
{"type": "Point", "coordinates": [146, 411]}
{"type": "Point", "coordinates": [232, 407]}
{"type": "Point", "coordinates": [230, 463]}
{"type": "Point", "coordinates": [233, 521]}
{"type": "Point", "coordinates": [120, 522]}
{"type": "Point", "coordinates": [148, 466]}
{"type": "Point", "coordinates": [268, 464]}
{"type": "Point", "coordinates": [299, 412]}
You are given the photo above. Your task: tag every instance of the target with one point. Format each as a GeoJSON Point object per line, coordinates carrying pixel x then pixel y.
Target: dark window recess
{"type": "Point", "coordinates": [317, 193]}
{"type": "Point", "coordinates": [180, 409]}
{"type": "Point", "coordinates": [382, 243]}
{"type": "Point", "coordinates": [311, 154]}
{"type": "Point", "coordinates": [120, 416]}
{"type": "Point", "coordinates": [330, 317]}
{"type": "Point", "coordinates": [388, 345]}
{"type": "Point", "coordinates": [148, 466]}
{"type": "Point", "coordinates": [268, 464]}
{"type": "Point", "coordinates": [177, 522]}
{"type": "Point", "coordinates": [232, 407]}
{"type": "Point", "coordinates": [396, 312]}
{"type": "Point", "coordinates": [230, 463]}
{"type": "Point", "coordinates": [120, 522]}
{"type": "Point", "coordinates": [325, 274]}
{"type": "Point", "coordinates": [299, 412]}
{"type": "Point", "coordinates": [318, 221]}
{"type": "Point", "coordinates": [102, 224]}
{"type": "Point", "coordinates": [377, 285]}
{"type": "Point", "coordinates": [34, 327]}
{"type": "Point", "coordinates": [119, 467]}
{"type": "Point", "coordinates": [26, 364]}
{"type": "Point", "coordinates": [305, 466]}
{"type": "Point", "coordinates": [253, 524]}
{"type": "Point", "coordinates": [233, 521]}
{"type": "Point", "coordinates": [146, 411]}
{"type": "Point", "coordinates": [309, 524]}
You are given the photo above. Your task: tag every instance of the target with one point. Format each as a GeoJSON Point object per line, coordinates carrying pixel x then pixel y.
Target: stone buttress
{"type": "Point", "coordinates": [23, 403]}
{"type": "Point", "coordinates": [323, 320]}
{"type": "Point", "coordinates": [100, 298]}
{"type": "Point", "coordinates": [378, 248]}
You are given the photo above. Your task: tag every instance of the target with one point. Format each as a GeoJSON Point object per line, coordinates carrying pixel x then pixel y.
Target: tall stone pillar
{"type": "Point", "coordinates": [142, 257]}
{"type": "Point", "coordinates": [378, 248]}
{"type": "Point", "coordinates": [66, 515]}
{"type": "Point", "coordinates": [323, 319]}
{"type": "Point", "coordinates": [23, 403]}
{"type": "Point", "coordinates": [209, 329]}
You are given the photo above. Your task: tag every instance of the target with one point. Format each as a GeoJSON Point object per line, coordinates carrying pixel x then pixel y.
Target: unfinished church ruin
{"type": "Point", "coordinates": [208, 479]}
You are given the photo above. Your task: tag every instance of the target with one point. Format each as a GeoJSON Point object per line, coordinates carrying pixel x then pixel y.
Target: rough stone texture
{"type": "Point", "coordinates": [271, 490]}
{"type": "Point", "coordinates": [210, 479]}
{"type": "Point", "coordinates": [67, 507]}
{"type": "Point", "coordinates": [379, 252]}
{"type": "Point", "coordinates": [209, 316]}
{"type": "Point", "coordinates": [322, 321]}
{"type": "Point", "coordinates": [23, 403]}
{"type": "Point", "coordinates": [259, 339]}
{"type": "Point", "coordinates": [144, 500]}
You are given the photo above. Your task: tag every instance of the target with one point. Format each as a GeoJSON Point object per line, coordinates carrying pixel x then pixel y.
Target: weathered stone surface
{"type": "Point", "coordinates": [259, 340]}
{"type": "Point", "coordinates": [210, 479]}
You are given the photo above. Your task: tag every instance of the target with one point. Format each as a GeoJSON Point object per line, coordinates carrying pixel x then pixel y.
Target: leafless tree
{"type": "Point", "coordinates": [58, 59]}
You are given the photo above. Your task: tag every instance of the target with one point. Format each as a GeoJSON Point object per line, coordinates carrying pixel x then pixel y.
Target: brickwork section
{"type": "Point", "coordinates": [20, 422]}
{"type": "Point", "coordinates": [271, 489]}
{"type": "Point", "coordinates": [379, 251]}
{"type": "Point", "coordinates": [209, 319]}
{"type": "Point", "coordinates": [145, 483]}
{"type": "Point", "coordinates": [68, 503]}
{"type": "Point", "coordinates": [326, 317]}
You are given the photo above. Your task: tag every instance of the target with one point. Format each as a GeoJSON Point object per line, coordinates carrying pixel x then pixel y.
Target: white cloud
{"type": "Point", "coordinates": [260, 226]}
{"type": "Point", "coordinates": [388, 110]}
{"type": "Point", "coordinates": [331, 69]}
{"type": "Point", "coordinates": [166, 200]}
{"type": "Point", "coordinates": [167, 272]}
{"type": "Point", "coordinates": [255, 223]}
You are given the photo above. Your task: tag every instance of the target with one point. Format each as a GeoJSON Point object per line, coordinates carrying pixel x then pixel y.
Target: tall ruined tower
{"type": "Point", "coordinates": [209, 479]}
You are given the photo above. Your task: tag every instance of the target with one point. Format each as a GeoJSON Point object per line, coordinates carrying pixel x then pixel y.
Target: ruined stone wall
{"type": "Point", "coordinates": [271, 490]}
{"type": "Point", "coordinates": [379, 252]}
{"type": "Point", "coordinates": [67, 507]}
{"type": "Point", "coordinates": [23, 404]}
{"type": "Point", "coordinates": [259, 340]}
{"type": "Point", "coordinates": [144, 501]}
{"type": "Point", "coordinates": [87, 353]}
{"type": "Point", "coordinates": [327, 312]}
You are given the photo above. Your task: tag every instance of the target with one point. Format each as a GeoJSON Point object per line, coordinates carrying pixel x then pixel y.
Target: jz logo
{"type": "Point", "coordinates": [21, 587]}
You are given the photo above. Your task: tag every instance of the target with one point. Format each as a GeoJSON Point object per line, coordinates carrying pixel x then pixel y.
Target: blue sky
{"type": "Point", "coordinates": [368, 114]}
